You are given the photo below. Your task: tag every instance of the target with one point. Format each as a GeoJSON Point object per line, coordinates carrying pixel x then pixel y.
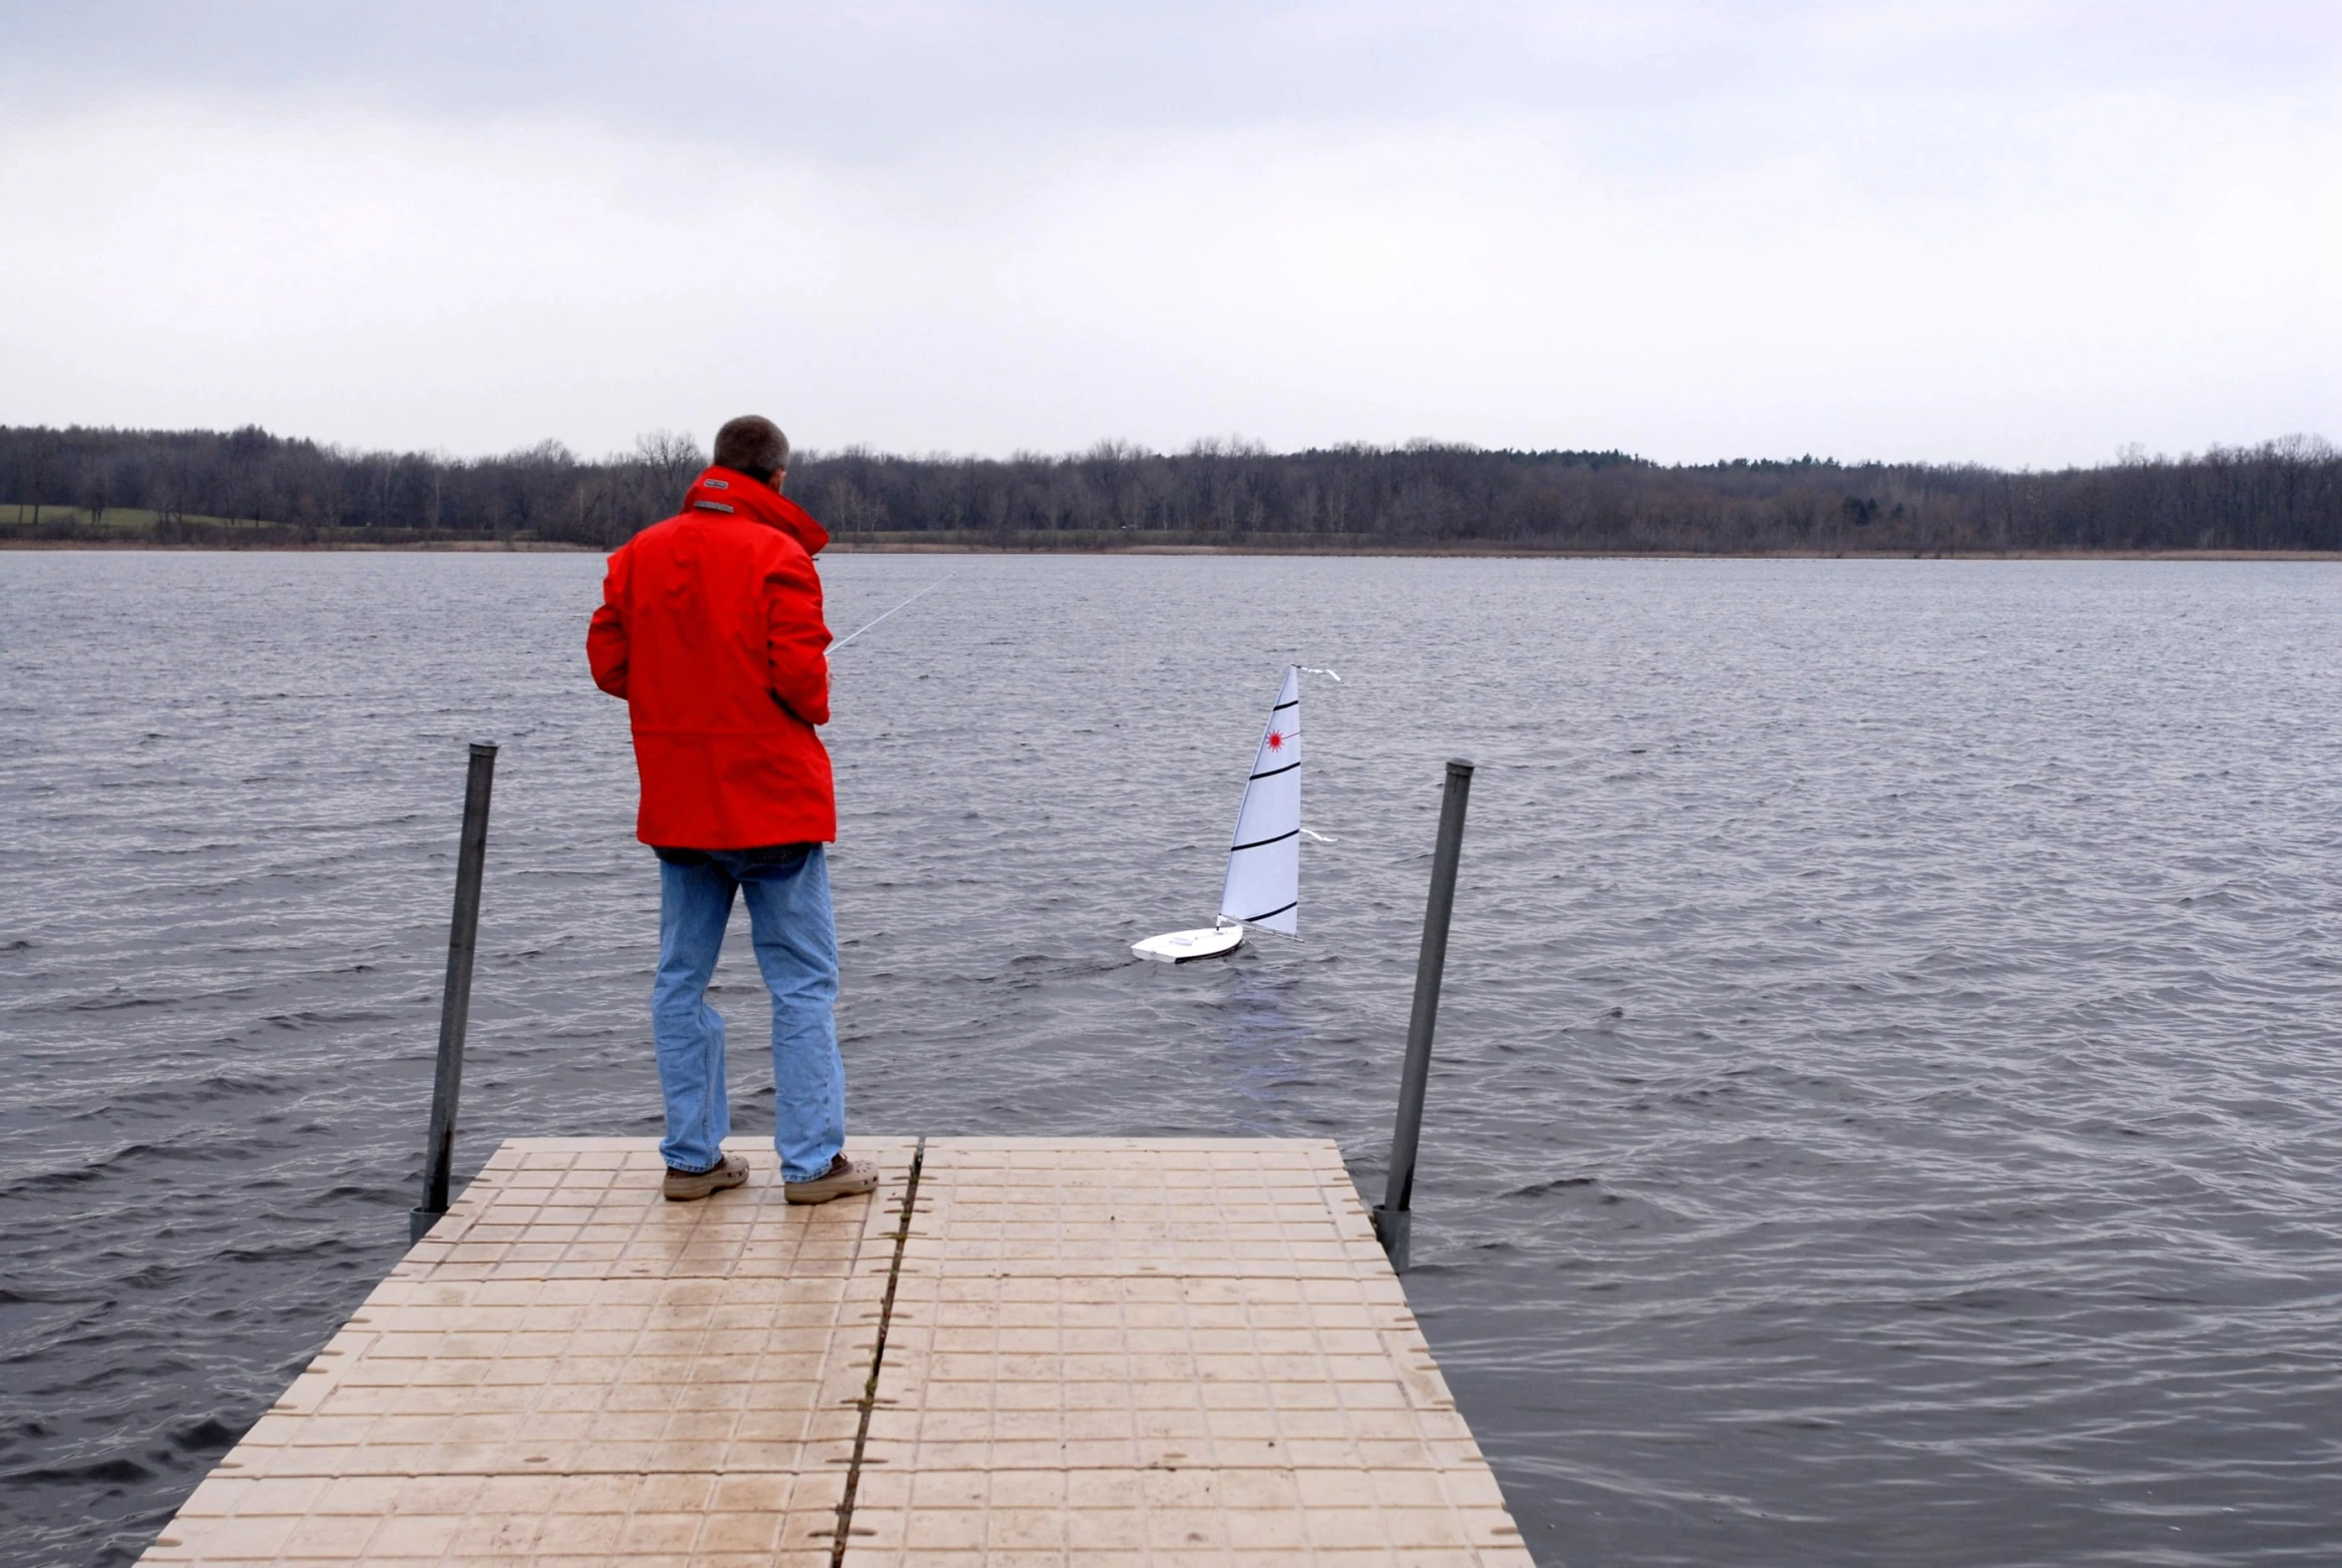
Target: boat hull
{"type": "Point", "coordinates": [1181, 948]}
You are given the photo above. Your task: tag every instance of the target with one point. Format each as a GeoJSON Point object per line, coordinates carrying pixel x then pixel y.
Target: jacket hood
{"type": "Point", "coordinates": [728, 490]}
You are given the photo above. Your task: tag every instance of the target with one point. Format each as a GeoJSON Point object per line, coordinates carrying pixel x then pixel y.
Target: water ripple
{"type": "Point", "coordinates": [1886, 1105]}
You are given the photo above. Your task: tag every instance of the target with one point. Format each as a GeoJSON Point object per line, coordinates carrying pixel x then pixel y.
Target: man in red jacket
{"type": "Point", "coordinates": [710, 629]}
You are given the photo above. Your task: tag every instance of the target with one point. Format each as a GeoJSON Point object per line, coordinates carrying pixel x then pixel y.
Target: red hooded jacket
{"type": "Point", "coordinates": [710, 629]}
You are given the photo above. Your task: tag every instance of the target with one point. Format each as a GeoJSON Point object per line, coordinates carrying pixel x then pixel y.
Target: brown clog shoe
{"type": "Point", "coordinates": [844, 1178]}
{"type": "Point", "coordinates": [684, 1187]}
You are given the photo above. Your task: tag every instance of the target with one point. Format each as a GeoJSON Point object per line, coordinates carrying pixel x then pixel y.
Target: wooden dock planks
{"type": "Point", "coordinates": [1144, 1353]}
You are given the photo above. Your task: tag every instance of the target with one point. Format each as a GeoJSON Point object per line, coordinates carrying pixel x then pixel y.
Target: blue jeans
{"type": "Point", "coordinates": [795, 940]}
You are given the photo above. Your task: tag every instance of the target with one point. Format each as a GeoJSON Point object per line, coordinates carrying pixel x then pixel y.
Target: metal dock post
{"type": "Point", "coordinates": [1392, 1219]}
{"type": "Point", "coordinates": [463, 934]}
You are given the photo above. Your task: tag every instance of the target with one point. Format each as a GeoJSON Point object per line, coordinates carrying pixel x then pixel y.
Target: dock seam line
{"type": "Point", "coordinates": [869, 1392]}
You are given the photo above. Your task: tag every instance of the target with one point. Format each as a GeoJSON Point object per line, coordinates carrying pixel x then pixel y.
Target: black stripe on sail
{"type": "Point", "coordinates": [1258, 842]}
{"type": "Point", "coordinates": [1255, 919]}
{"type": "Point", "coordinates": [1281, 707]}
{"type": "Point", "coordinates": [1273, 772]}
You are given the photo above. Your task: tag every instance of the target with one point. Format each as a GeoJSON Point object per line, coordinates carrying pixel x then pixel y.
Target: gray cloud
{"type": "Point", "coordinates": [848, 79]}
{"type": "Point", "coordinates": [2018, 232]}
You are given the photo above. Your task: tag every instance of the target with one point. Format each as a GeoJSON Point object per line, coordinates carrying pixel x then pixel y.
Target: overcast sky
{"type": "Point", "coordinates": [2026, 233]}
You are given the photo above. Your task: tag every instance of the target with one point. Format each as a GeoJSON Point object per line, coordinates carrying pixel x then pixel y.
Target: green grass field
{"type": "Point", "coordinates": [127, 520]}
{"type": "Point", "coordinates": [138, 528]}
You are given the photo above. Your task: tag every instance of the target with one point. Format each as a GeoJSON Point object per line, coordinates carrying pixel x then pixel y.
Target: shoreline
{"type": "Point", "coordinates": [1446, 549]}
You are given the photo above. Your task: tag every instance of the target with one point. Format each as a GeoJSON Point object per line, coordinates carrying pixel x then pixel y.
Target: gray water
{"type": "Point", "coordinates": [1886, 1102]}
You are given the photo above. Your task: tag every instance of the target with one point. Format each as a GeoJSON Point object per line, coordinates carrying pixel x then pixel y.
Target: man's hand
{"type": "Point", "coordinates": [796, 665]}
{"type": "Point", "coordinates": [606, 646]}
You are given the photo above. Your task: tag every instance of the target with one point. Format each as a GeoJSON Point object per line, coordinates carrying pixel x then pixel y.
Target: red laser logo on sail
{"type": "Point", "coordinates": [1276, 742]}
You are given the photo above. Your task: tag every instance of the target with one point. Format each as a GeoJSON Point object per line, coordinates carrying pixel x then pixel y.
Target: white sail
{"type": "Point", "coordinates": [1264, 859]}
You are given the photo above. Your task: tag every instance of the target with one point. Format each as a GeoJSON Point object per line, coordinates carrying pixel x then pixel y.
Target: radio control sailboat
{"type": "Point", "coordinates": [1263, 886]}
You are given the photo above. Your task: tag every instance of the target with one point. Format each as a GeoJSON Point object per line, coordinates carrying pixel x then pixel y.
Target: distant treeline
{"type": "Point", "coordinates": [195, 486]}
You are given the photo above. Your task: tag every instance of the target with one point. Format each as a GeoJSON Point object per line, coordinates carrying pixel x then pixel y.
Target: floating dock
{"type": "Point", "coordinates": [1018, 1353]}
